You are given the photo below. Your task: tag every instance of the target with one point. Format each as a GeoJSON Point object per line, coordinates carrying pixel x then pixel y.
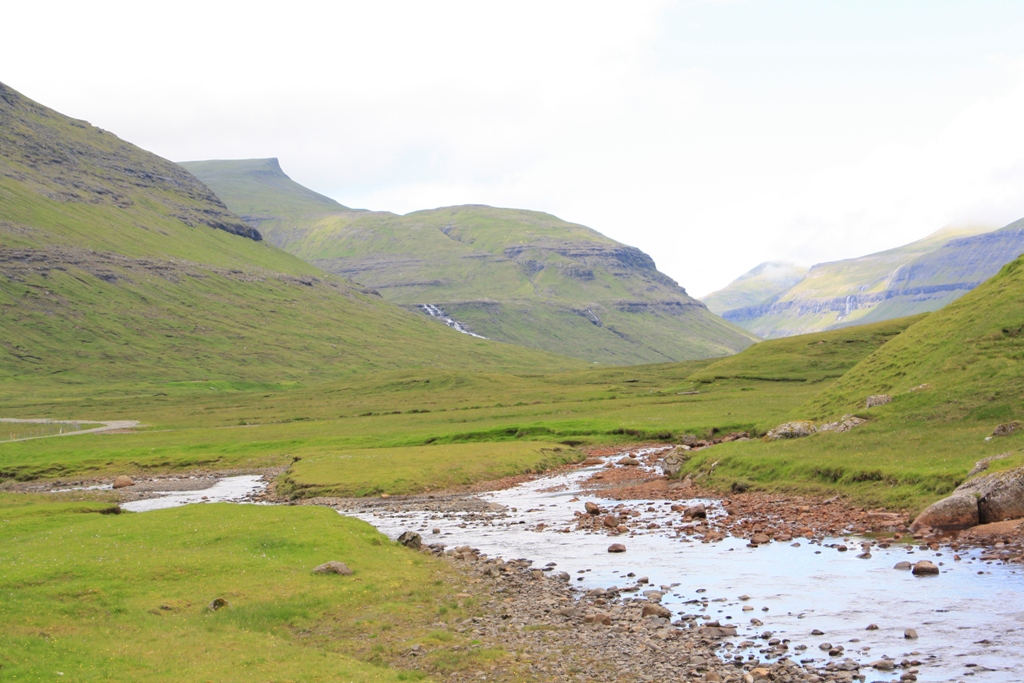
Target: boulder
{"type": "Point", "coordinates": [1000, 495]}
{"type": "Point", "coordinates": [123, 482]}
{"type": "Point", "coordinates": [984, 499]}
{"type": "Point", "coordinates": [689, 440]}
{"type": "Point", "coordinates": [629, 461]}
{"type": "Point", "coordinates": [616, 548]}
{"type": "Point", "coordinates": [878, 400]}
{"type": "Point", "coordinates": [883, 664]}
{"type": "Point", "coordinates": [592, 508]}
{"type": "Point", "coordinates": [611, 521]}
{"type": "Point", "coordinates": [1007, 428]}
{"type": "Point", "coordinates": [333, 567]}
{"type": "Point", "coordinates": [411, 539]}
{"type": "Point", "coordinates": [697, 510]}
{"type": "Point", "coordinates": [925, 568]}
{"type": "Point", "coordinates": [957, 512]}
{"type": "Point", "coordinates": [672, 463]}
{"type": "Point", "coordinates": [791, 430]}
{"type": "Point", "coordinates": [653, 610]}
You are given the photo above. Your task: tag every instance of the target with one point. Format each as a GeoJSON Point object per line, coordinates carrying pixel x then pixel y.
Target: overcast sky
{"type": "Point", "coordinates": [711, 134]}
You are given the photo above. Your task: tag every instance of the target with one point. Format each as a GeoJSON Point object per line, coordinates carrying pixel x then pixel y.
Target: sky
{"type": "Point", "coordinates": [714, 135]}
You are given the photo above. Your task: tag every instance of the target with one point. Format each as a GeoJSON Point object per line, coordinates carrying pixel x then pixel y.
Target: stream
{"type": "Point", "coordinates": [969, 619]}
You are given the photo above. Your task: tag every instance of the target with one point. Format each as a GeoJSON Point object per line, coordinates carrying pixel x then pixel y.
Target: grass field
{"type": "Point", "coordinates": [217, 425]}
{"type": "Point", "coordinates": [99, 597]}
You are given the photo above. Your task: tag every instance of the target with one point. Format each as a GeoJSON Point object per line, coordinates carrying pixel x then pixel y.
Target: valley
{"type": "Point", "coordinates": [235, 324]}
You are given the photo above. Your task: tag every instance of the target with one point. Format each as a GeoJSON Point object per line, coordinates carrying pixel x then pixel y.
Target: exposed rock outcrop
{"type": "Point", "coordinates": [791, 430]}
{"type": "Point", "coordinates": [878, 400]}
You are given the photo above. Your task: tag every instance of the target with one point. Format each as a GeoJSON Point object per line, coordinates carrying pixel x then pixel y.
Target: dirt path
{"type": "Point", "coordinates": [104, 426]}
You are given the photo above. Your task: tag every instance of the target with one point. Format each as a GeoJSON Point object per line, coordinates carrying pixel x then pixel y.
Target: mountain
{"type": "Point", "coordinates": [116, 264]}
{"type": "Point", "coordinates": [522, 277]}
{"type": "Point", "coordinates": [916, 278]}
{"type": "Point", "coordinates": [755, 286]}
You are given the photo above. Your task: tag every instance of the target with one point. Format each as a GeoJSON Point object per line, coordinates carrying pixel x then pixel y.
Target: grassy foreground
{"type": "Point", "coordinates": [90, 597]}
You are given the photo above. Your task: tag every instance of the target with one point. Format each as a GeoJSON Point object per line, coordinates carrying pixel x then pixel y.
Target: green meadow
{"type": "Point", "coordinates": [89, 596]}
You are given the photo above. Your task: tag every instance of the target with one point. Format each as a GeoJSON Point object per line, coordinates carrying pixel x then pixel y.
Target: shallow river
{"type": "Point", "coordinates": [970, 618]}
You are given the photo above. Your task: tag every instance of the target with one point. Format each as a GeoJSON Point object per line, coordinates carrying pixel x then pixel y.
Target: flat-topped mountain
{"type": "Point", "coordinates": [116, 263]}
{"type": "Point", "coordinates": [517, 276]}
{"type": "Point", "coordinates": [916, 278]}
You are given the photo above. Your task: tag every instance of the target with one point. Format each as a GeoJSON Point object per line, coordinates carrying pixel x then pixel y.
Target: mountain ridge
{"type": "Point", "coordinates": [523, 277]}
{"type": "Point", "coordinates": [918, 277]}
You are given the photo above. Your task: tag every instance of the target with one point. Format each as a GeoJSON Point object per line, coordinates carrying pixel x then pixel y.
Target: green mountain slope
{"type": "Point", "coordinates": [522, 277]}
{"type": "Point", "coordinates": [965, 362]}
{"type": "Point", "coordinates": [916, 278]}
{"type": "Point", "coordinates": [118, 265]}
{"type": "Point", "coordinates": [756, 286]}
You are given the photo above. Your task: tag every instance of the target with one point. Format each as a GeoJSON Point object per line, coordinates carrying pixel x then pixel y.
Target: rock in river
{"type": "Point", "coordinates": [616, 548]}
{"type": "Point", "coordinates": [123, 482]}
{"type": "Point", "coordinates": [925, 568]}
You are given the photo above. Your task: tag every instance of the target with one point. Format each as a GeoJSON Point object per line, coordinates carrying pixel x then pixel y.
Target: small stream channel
{"type": "Point", "coordinates": [970, 618]}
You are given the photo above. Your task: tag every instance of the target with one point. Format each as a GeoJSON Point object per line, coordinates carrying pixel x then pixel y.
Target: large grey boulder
{"type": "Point", "coordinates": [982, 500]}
{"type": "Point", "coordinates": [959, 511]}
{"type": "Point", "coordinates": [1000, 495]}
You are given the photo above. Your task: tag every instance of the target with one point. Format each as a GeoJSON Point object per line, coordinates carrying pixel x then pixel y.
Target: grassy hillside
{"type": "Point", "coordinates": [118, 265]}
{"type": "Point", "coordinates": [522, 277]}
{"type": "Point", "coordinates": [878, 286]}
{"type": "Point", "coordinates": [756, 286]}
{"type": "Point", "coordinates": [807, 357]}
{"type": "Point", "coordinates": [954, 375]}
{"type": "Point", "coordinates": [969, 354]}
